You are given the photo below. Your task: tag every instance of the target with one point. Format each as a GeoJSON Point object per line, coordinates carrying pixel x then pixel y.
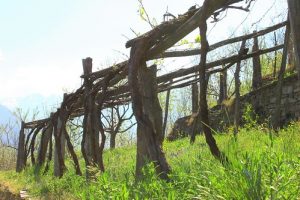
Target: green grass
{"type": "Point", "coordinates": [263, 165]}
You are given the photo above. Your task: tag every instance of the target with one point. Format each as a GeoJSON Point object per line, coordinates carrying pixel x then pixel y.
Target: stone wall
{"type": "Point", "coordinates": [262, 100]}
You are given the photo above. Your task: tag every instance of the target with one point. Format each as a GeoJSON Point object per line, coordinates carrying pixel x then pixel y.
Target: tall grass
{"type": "Point", "coordinates": [263, 165]}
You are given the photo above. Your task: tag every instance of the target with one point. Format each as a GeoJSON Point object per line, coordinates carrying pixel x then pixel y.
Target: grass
{"type": "Point", "coordinates": [263, 165]}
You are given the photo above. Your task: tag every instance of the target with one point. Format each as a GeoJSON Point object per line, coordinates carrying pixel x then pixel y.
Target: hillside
{"type": "Point", "coordinates": [263, 165]}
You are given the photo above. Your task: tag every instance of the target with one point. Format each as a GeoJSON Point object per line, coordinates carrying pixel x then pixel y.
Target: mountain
{"type": "Point", "coordinates": [6, 115]}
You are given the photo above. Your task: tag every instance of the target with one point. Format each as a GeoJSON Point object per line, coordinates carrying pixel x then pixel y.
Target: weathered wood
{"type": "Point", "coordinates": [78, 111]}
{"type": "Point", "coordinates": [166, 111]}
{"type": "Point", "coordinates": [256, 76]}
{"type": "Point", "coordinates": [31, 149]}
{"type": "Point", "coordinates": [224, 61]}
{"type": "Point", "coordinates": [237, 83]}
{"type": "Point", "coordinates": [278, 95]}
{"type": "Point", "coordinates": [147, 111]}
{"type": "Point", "coordinates": [50, 150]}
{"type": "Point", "coordinates": [72, 151]}
{"type": "Point", "coordinates": [59, 151]}
{"type": "Point", "coordinates": [207, 9]}
{"type": "Point", "coordinates": [21, 150]}
{"type": "Point", "coordinates": [90, 138]}
{"type": "Point", "coordinates": [222, 86]}
{"type": "Point", "coordinates": [203, 107]}
{"type": "Point", "coordinates": [196, 51]}
{"type": "Point", "coordinates": [294, 16]}
{"type": "Point", "coordinates": [46, 136]}
{"type": "Point", "coordinates": [195, 97]}
{"type": "Point", "coordinates": [275, 56]}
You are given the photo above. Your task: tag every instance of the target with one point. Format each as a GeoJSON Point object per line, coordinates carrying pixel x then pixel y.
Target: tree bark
{"type": "Point", "coordinates": [59, 151]}
{"type": "Point", "coordinates": [112, 142]}
{"type": "Point", "coordinates": [277, 111]}
{"type": "Point", "coordinates": [237, 92]}
{"type": "Point", "coordinates": [256, 77]}
{"type": "Point", "coordinates": [275, 56]}
{"type": "Point", "coordinates": [195, 98]}
{"type": "Point", "coordinates": [90, 147]}
{"type": "Point", "coordinates": [294, 16]}
{"type": "Point", "coordinates": [46, 136]}
{"type": "Point", "coordinates": [21, 150]}
{"type": "Point", "coordinates": [203, 107]}
{"type": "Point", "coordinates": [147, 111]}
{"type": "Point", "coordinates": [166, 112]}
{"type": "Point", "coordinates": [223, 87]}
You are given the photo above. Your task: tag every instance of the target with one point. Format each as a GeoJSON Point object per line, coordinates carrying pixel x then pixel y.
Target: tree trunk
{"type": "Point", "coordinates": [203, 107]}
{"type": "Point", "coordinates": [237, 92]}
{"type": "Point", "coordinates": [112, 142]}
{"type": "Point", "coordinates": [278, 95]}
{"type": "Point", "coordinates": [90, 147]}
{"type": "Point", "coordinates": [147, 111]}
{"type": "Point", "coordinates": [275, 56]}
{"type": "Point", "coordinates": [46, 136]}
{"type": "Point", "coordinates": [195, 98]}
{"type": "Point", "coordinates": [59, 151]}
{"type": "Point", "coordinates": [223, 87]}
{"type": "Point", "coordinates": [294, 16]}
{"type": "Point", "coordinates": [256, 77]}
{"type": "Point", "coordinates": [166, 112]}
{"type": "Point", "coordinates": [21, 150]}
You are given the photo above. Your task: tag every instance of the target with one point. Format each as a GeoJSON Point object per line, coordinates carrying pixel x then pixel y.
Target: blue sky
{"type": "Point", "coordinates": [42, 42]}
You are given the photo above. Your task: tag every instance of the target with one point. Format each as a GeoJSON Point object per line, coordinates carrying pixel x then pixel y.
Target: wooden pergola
{"type": "Point", "coordinates": [101, 90]}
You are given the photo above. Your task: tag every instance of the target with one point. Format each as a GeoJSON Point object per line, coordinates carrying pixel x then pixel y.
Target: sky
{"type": "Point", "coordinates": [42, 43]}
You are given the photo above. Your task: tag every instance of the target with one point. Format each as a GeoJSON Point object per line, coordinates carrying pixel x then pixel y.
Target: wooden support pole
{"type": "Point", "coordinates": [166, 111]}
{"type": "Point", "coordinates": [147, 111]}
{"type": "Point", "coordinates": [90, 140]}
{"type": "Point", "coordinates": [237, 82]}
{"type": "Point", "coordinates": [203, 107]}
{"type": "Point", "coordinates": [277, 112]}
{"type": "Point", "coordinates": [21, 150]}
{"type": "Point", "coordinates": [294, 16]}
{"type": "Point", "coordinates": [46, 136]}
{"type": "Point", "coordinates": [195, 97]}
{"type": "Point", "coordinates": [223, 86]}
{"type": "Point", "coordinates": [256, 76]}
{"type": "Point", "coordinates": [275, 56]}
{"type": "Point", "coordinates": [59, 151]}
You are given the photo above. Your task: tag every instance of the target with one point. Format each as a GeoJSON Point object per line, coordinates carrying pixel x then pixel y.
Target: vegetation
{"type": "Point", "coordinates": [263, 165]}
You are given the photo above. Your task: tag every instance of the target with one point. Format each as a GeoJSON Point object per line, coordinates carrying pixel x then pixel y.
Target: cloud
{"type": "Point", "coordinates": [44, 80]}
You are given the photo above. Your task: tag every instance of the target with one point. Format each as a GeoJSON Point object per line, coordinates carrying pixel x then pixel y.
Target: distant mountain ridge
{"type": "Point", "coordinates": [6, 115]}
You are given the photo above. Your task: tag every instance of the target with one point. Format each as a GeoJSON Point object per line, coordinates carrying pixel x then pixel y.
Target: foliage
{"type": "Point", "coordinates": [249, 116]}
{"type": "Point", "coordinates": [261, 166]}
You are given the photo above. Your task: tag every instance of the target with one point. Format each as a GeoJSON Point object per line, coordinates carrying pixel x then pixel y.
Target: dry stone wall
{"type": "Point", "coordinates": [222, 115]}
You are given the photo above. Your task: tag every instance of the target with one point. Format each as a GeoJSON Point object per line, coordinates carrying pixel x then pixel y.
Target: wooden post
{"type": "Point", "coordinates": [147, 111]}
{"type": "Point", "coordinates": [223, 86]}
{"type": "Point", "coordinates": [203, 107]}
{"type": "Point", "coordinates": [91, 126]}
{"type": "Point", "coordinates": [275, 56]}
{"type": "Point", "coordinates": [21, 150]}
{"type": "Point", "coordinates": [195, 97]}
{"type": "Point", "coordinates": [256, 77]}
{"type": "Point", "coordinates": [59, 151]}
{"type": "Point", "coordinates": [46, 136]}
{"type": "Point", "coordinates": [278, 95]}
{"type": "Point", "coordinates": [294, 16]}
{"type": "Point", "coordinates": [166, 111]}
{"type": "Point", "coordinates": [237, 92]}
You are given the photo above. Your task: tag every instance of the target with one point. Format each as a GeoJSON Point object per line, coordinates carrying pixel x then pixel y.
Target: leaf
{"type": "Point", "coordinates": [198, 39]}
